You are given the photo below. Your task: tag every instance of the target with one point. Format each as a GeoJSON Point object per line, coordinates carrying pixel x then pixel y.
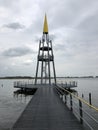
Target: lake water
{"type": "Point", "coordinates": [86, 86]}
{"type": "Point", "coordinates": [12, 105]}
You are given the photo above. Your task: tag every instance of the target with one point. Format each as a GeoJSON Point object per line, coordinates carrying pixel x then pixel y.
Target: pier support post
{"type": "Point", "coordinates": [81, 112]}
{"type": "Point", "coordinates": [71, 104]}
{"type": "Point", "coordinates": [90, 99]}
{"type": "Point", "coordinates": [82, 95]}
{"type": "Point", "coordinates": [65, 99]}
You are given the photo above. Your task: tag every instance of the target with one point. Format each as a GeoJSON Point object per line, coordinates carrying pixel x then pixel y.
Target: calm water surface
{"type": "Point", "coordinates": [12, 105]}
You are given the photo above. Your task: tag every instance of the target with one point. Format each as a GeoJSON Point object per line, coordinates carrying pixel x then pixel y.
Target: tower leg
{"type": "Point", "coordinates": [48, 62]}
{"type": "Point", "coordinates": [45, 72]}
{"type": "Point", "coordinates": [54, 72]}
{"type": "Point", "coordinates": [49, 72]}
{"type": "Point", "coordinates": [37, 64]}
{"type": "Point", "coordinates": [42, 64]}
{"type": "Point", "coordinates": [53, 64]}
{"type": "Point", "coordinates": [42, 73]}
{"type": "Point", "coordinates": [36, 73]}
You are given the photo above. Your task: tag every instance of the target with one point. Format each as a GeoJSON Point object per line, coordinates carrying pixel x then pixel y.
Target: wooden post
{"type": "Point", "coordinates": [82, 95]}
{"type": "Point", "coordinates": [81, 112]}
{"type": "Point", "coordinates": [90, 99]}
{"type": "Point", "coordinates": [71, 102]}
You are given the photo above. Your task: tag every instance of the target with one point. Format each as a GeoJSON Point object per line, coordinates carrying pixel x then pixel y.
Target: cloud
{"type": "Point", "coordinates": [72, 29]}
{"type": "Point", "coordinates": [28, 62]}
{"type": "Point", "coordinates": [52, 37]}
{"type": "Point", "coordinates": [59, 47]}
{"type": "Point", "coordinates": [14, 26]}
{"type": "Point", "coordinates": [16, 52]}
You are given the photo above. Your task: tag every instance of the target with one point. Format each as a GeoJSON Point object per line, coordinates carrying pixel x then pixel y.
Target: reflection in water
{"type": "Point", "coordinates": [22, 95]}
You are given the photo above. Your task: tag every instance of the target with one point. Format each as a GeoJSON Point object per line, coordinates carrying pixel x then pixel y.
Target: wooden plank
{"type": "Point", "coordinates": [46, 111]}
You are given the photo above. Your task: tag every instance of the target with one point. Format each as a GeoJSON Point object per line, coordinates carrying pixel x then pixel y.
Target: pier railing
{"type": "Point", "coordinates": [23, 84]}
{"type": "Point", "coordinates": [20, 84]}
{"type": "Point", "coordinates": [70, 84]}
{"type": "Point", "coordinates": [87, 114]}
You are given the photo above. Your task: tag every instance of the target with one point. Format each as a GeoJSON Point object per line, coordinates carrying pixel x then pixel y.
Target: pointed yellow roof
{"type": "Point", "coordinates": [45, 28]}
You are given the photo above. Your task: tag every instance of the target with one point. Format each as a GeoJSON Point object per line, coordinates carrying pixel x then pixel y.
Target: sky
{"type": "Point", "coordinates": [73, 28]}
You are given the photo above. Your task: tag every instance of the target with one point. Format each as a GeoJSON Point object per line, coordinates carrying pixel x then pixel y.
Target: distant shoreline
{"type": "Point", "coordinates": [29, 77]}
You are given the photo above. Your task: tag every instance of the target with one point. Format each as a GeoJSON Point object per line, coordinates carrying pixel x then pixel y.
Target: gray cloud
{"type": "Point", "coordinates": [59, 47]}
{"type": "Point", "coordinates": [14, 26]}
{"type": "Point", "coordinates": [16, 52]}
{"type": "Point", "coordinates": [72, 23]}
{"type": "Point", "coordinates": [6, 2]}
{"type": "Point", "coordinates": [52, 37]}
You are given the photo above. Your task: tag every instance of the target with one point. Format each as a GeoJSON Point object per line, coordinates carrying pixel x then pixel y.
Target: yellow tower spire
{"type": "Point", "coordinates": [45, 28]}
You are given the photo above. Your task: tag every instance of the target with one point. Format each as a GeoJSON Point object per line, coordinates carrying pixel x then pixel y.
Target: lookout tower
{"type": "Point", "coordinates": [45, 59]}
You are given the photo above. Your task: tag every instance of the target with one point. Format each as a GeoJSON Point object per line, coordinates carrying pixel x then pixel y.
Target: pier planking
{"type": "Point", "coordinates": [46, 111]}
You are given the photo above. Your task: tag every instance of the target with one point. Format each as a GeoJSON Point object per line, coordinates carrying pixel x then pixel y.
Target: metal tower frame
{"type": "Point", "coordinates": [45, 57]}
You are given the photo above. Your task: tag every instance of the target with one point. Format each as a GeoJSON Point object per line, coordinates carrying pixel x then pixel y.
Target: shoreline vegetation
{"type": "Point", "coordinates": [29, 77]}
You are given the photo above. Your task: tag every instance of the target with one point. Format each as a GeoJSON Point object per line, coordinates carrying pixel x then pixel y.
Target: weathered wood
{"type": "Point", "coordinates": [46, 111]}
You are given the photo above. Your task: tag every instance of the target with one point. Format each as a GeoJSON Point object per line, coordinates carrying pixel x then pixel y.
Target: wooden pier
{"type": "Point", "coordinates": [46, 111]}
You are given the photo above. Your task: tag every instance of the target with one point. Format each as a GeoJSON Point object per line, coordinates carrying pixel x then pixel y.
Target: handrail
{"type": "Point", "coordinates": [82, 100]}
{"type": "Point", "coordinates": [72, 105]}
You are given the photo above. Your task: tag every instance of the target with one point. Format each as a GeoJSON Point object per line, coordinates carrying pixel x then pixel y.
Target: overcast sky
{"type": "Point", "coordinates": [73, 27]}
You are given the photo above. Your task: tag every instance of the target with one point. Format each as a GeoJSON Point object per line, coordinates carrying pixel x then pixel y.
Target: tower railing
{"type": "Point", "coordinates": [45, 58]}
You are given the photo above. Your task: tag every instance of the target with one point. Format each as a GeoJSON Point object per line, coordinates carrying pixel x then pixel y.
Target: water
{"type": "Point", "coordinates": [86, 86]}
{"type": "Point", "coordinates": [11, 105]}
